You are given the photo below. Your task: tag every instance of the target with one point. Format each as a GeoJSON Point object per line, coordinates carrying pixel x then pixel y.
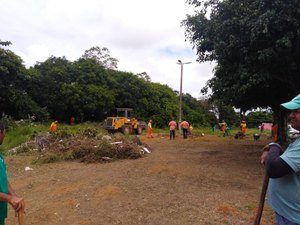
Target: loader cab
{"type": "Point", "coordinates": [124, 112]}
{"type": "Point", "coordinates": [125, 122]}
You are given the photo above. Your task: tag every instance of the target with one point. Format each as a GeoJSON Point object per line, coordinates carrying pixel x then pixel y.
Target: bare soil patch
{"type": "Point", "coordinates": [207, 180]}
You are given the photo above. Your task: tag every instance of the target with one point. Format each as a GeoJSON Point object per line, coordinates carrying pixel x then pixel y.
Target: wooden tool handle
{"type": "Point", "coordinates": [262, 200]}
{"type": "Point", "coordinates": [21, 217]}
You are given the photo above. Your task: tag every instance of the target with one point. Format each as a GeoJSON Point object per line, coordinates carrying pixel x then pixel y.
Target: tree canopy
{"type": "Point", "coordinates": [256, 45]}
{"type": "Point", "coordinates": [89, 89]}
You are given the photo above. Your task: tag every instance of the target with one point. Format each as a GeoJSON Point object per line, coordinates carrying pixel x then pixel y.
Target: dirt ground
{"type": "Point", "coordinates": [207, 180]}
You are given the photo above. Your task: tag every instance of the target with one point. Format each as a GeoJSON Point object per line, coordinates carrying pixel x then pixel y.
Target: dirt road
{"type": "Point", "coordinates": [207, 180]}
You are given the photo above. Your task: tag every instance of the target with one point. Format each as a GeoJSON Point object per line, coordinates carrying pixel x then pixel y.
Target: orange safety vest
{"type": "Point", "coordinates": [53, 126]}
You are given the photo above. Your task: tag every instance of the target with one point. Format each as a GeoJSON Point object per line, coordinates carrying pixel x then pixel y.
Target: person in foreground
{"type": "Point", "coordinates": [7, 194]}
{"type": "Point", "coordinates": [283, 168]}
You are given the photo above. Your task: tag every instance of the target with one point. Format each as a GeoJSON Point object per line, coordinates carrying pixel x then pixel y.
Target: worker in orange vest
{"type": "Point", "coordinates": [223, 127]}
{"type": "Point", "coordinates": [53, 126]}
{"type": "Point", "coordinates": [185, 128]}
{"type": "Point", "coordinates": [72, 120]}
{"type": "Point", "coordinates": [243, 127]}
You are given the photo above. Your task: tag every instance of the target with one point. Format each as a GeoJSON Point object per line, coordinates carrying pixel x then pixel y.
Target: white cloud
{"type": "Point", "coordinates": [145, 36]}
{"type": "Point", "coordinates": [41, 52]}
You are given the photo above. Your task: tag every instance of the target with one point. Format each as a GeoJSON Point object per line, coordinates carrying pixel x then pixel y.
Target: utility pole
{"type": "Point", "coordinates": [180, 93]}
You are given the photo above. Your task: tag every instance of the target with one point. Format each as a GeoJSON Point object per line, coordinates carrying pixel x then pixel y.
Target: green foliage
{"type": "Point", "coordinates": [15, 137]}
{"type": "Point", "coordinates": [8, 122]}
{"type": "Point", "coordinates": [15, 100]}
{"type": "Point", "coordinates": [196, 112]}
{"type": "Point", "coordinates": [144, 76]}
{"type": "Point", "coordinates": [90, 132]}
{"type": "Point", "coordinates": [254, 119]}
{"type": "Point", "coordinates": [46, 81]}
{"type": "Point", "coordinates": [89, 89]}
{"type": "Point", "coordinates": [101, 56]}
{"type": "Point", "coordinates": [149, 100]}
{"type": "Point", "coordinates": [49, 158]}
{"type": "Point", "coordinates": [24, 106]}
{"type": "Point", "coordinates": [256, 46]}
{"type": "Point", "coordinates": [227, 113]}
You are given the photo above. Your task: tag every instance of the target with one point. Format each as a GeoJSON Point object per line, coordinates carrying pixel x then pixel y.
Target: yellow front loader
{"type": "Point", "coordinates": [124, 123]}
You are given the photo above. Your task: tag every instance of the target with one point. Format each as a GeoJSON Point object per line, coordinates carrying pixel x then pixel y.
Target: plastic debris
{"type": "Point", "coordinates": [145, 149]}
{"type": "Point", "coordinates": [27, 168]}
{"type": "Point", "coordinates": [116, 143]}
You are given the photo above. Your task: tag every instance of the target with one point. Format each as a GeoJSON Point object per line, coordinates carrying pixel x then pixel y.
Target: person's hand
{"type": "Point", "coordinates": [264, 154]}
{"type": "Point", "coordinates": [17, 203]}
{"type": "Point", "coordinates": [263, 157]}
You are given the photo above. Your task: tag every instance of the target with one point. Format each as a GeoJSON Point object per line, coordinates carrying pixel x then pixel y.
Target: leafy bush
{"type": "Point", "coordinates": [90, 132]}
{"type": "Point", "coordinates": [8, 122]}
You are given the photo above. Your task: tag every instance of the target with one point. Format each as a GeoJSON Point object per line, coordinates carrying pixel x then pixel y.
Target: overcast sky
{"type": "Point", "coordinates": [144, 35]}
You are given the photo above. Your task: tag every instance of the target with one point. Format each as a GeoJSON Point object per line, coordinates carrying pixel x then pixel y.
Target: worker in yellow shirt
{"type": "Point", "coordinates": [243, 127]}
{"type": "Point", "coordinates": [150, 129]}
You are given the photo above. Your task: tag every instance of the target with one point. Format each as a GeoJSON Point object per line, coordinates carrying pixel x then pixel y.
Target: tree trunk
{"type": "Point", "coordinates": [281, 117]}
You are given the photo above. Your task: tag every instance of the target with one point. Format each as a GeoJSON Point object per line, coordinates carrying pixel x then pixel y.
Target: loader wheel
{"type": "Point", "coordinates": [138, 130]}
{"type": "Point", "coordinates": [126, 130]}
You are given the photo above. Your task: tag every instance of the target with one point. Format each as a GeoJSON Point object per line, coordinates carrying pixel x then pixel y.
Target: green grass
{"type": "Point", "coordinates": [19, 135]}
{"type": "Point", "coordinates": [22, 133]}
{"type": "Point", "coordinates": [208, 130]}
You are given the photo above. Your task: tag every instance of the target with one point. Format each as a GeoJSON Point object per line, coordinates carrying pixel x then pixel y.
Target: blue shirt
{"type": "Point", "coordinates": [3, 187]}
{"type": "Point", "coordinates": [284, 192]}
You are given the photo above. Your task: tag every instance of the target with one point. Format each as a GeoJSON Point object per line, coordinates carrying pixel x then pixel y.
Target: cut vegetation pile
{"type": "Point", "coordinates": [89, 145]}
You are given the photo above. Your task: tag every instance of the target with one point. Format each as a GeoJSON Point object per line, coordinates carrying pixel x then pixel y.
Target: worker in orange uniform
{"type": "Point", "coordinates": [150, 129]}
{"type": "Point", "coordinates": [243, 127]}
{"type": "Point", "coordinates": [172, 125]}
{"type": "Point", "coordinates": [275, 132]}
{"type": "Point", "coordinates": [53, 126]}
{"type": "Point", "coordinates": [72, 120]}
{"type": "Point", "coordinates": [223, 127]}
{"type": "Point", "coordinates": [185, 128]}
{"type": "Point", "coordinates": [190, 130]}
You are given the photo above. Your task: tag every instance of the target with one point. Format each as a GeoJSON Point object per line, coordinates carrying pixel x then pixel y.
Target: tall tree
{"type": "Point", "coordinates": [47, 79]}
{"type": "Point", "coordinates": [256, 45]}
{"type": "Point", "coordinates": [15, 101]}
{"type": "Point", "coordinates": [102, 56]}
{"type": "Point", "coordinates": [144, 76]}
